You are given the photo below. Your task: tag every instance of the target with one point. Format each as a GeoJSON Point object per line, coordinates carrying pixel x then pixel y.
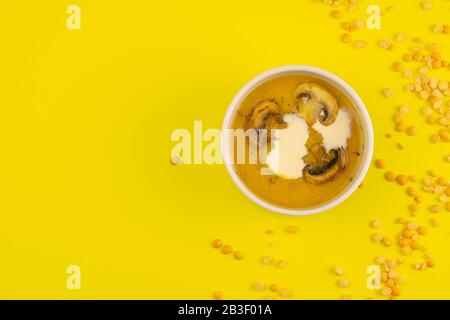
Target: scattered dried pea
{"type": "Point", "coordinates": [259, 286]}
{"type": "Point", "coordinates": [380, 163]}
{"type": "Point", "coordinates": [285, 293]}
{"type": "Point", "coordinates": [401, 179]}
{"type": "Point", "coordinates": [174, 160]}
{"type": "Point", "coordinates": [447, 206]}
{"type": "Point", "coordinates": [266, 260]}
{"type": "Point", "coordinates": [375, 224]}
{"type": "Point", "coordinates": [338, 271]}
{"type": "Point", "coordinates": [389, 176]}
{"type": "Point", "coordinates": [426, 5]}
{"type": "Point", "coordinates": [400, 37]}
{"type": "Point", "coordinates": [218, 295]}
{"type": "Point", "coordinates": [387, 242]}
{"type": "Point", "coordinates": [386, 291]}
{"type": "Point", "coordinates": [291, 229]}
{"type": "Point", "coordinates": [422, 230]}
{"type": "Point", "coordinates": [217, 243]}
{"type": "Point", "coordinates": [336, 14]}
{"type": "Point", "coordinates": [404, 109]}
{"type": "Point", "coordinates": [346, 38]}
{"type": "Point", "coordinates": [360, 44]}
{"type": "Point", "coordinates": [239, 255]}
{"type": "Point", "coordinates": [411, 131]}
{"type": "Point", "coordinates": [411, 192]}
{"type": "Point", "coordinates": [435, 208]}
{"type": "Point", "coordinates": [397, 66]}
{"type": "Point", "coordinates": [434, 222]}
{"type": "Point", "coordinates": [227, 249]}
{"type": "Point", "coordinates": [343, 283]}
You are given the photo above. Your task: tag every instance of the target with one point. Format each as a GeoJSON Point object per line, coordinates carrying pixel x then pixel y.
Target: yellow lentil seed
{"type": "Point", "coordinates": [434, 222]}
{"type": "Point", "coordinates": [282, 263]}
{"type": "Point", "coordinates": [346, 38]}
{"type": "Point", "coordinates": [217, 243]}
{"type": "Point", "coordinates": [336, 14]}
{"type": "Point", "coordinates": [266, 260]}
{"type": "Point", "coordinates": [227, 249]}
{"type": "Point", "coordinates": [400, 37]}
{"type": "Point", "coordinates": [417, 56]}
{"type": "Point", "coordinates": [338, 271]}
{"type": "Point", "coordinates": [389, 176]}
{"type": "Point", "coordinates": [407, 57]}
{"type": "Point", "coordinates": [239, 255]}
{"type": "Point", "coordinates": [387, 242]}
{"type": "Point", "coordinates": [388, 92]}
{"type": "Point", "coordinates": [402, 242]}
{"type": "Point", "coordinates": [404, 109]}
{"type": "Point", "coordinates": [431, 173]}
{"type": "Point", "coordinates": [434, 208]}
{"type": "Point", "coordinates": [401, 179]}
{"type": "Point", "coordinates": [407, 233]}
{"type": "Point", "coordinates": [397, 66]}
{"type": "Point", "coordinates": [422, 230]}
{"type": "Point", "coordinates": [386, 291]}
{"type": "Point", "coordinates": [377, 238]}
{"type": "Point", "coordinates": [274, 287]}
{"type": "Point", "coordinates": [418, 199]}
{"type": "Point", "coordinates": [406, 250]}
{"type": "Point", "coordinates": [400, 127]}
{"type": "Point", "coordinates": [430, 263]}
{"type": "Point", "coordinates": [415, 245]}
{"type": "Point", "coordinates": [437, 28]}
{"type": "Point", "coordinates": [345, 25]}
{"type": "Point", "coordinates": [375, 224]}
{"type": "Point", "coordinates": [285, 293]}
{"type": "Point", "coordinates": [218, 295]}
{"type": "Point", "coordinates": [446, 29]}
{"type": "Point", "coordinates": [427, 111]}
{"type": "Point", "coordinates": [411, 192]}
{"type": "Point", "coordinates": [426, 5]}
{"type": "Point", "coordinates": [343, 283]}
{"type": "Point", "coordinates": [447, 206]}
{"type": "Point", "coordinates": [359, 44]}
{"type": "Point", "coordinates": [380, 163]}
{"type": "Point", "coordinates": [434, 138]}
{"type": "Point", "coordinates": [259, 286]}
{"type": "Point", "coordinates": [400, 220]}
{"type": "Point", "coordinates": [291, 229]}
{"type": "Point", "coordinates": [413, 207]}
{"type": "Point", "coordinates": [174, 160]}
{"type": "Point", "coordinates": [380, 260]}
{"type": "Point", "coordinates": [411, 131]}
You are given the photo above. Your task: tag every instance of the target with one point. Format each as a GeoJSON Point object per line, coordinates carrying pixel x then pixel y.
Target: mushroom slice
{"type": "Point", "coordinates": [316, 103]}
{"type": "Point", "coordinates": [326, 172]}
{"type": "Point", "coordinates": [265, 115]}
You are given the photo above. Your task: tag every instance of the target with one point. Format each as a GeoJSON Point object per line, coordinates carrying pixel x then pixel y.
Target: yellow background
{"type": "Point", "coordinates": [85, 124]}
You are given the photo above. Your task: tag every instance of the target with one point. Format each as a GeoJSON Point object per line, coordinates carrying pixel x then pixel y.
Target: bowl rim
{"type": "Point", "coordinates": [365, 121]}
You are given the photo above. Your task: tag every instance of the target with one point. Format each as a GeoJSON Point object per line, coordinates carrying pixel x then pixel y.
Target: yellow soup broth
{"type": "Point", "coordinates": [296, 193]}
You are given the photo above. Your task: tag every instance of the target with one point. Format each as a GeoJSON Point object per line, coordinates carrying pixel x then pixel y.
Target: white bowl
{"type": "Point", "coordinates": [340, 85]}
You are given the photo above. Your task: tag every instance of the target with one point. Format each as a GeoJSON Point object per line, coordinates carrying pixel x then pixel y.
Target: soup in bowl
{"type": "Point", "coordinates": [297, 140]}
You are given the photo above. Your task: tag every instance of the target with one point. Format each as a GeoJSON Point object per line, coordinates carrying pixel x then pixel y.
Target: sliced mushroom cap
{"type": "Point", "coordinates": [316, 103]}
{"type": "Point", "coordinates": [265, 115]}
{"type": "Point", "coordinates": [337, 161]}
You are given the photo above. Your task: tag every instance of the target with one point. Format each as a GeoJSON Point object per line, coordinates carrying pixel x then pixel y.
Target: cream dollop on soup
{"type": "Point", "coordinates": [288, 145]}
